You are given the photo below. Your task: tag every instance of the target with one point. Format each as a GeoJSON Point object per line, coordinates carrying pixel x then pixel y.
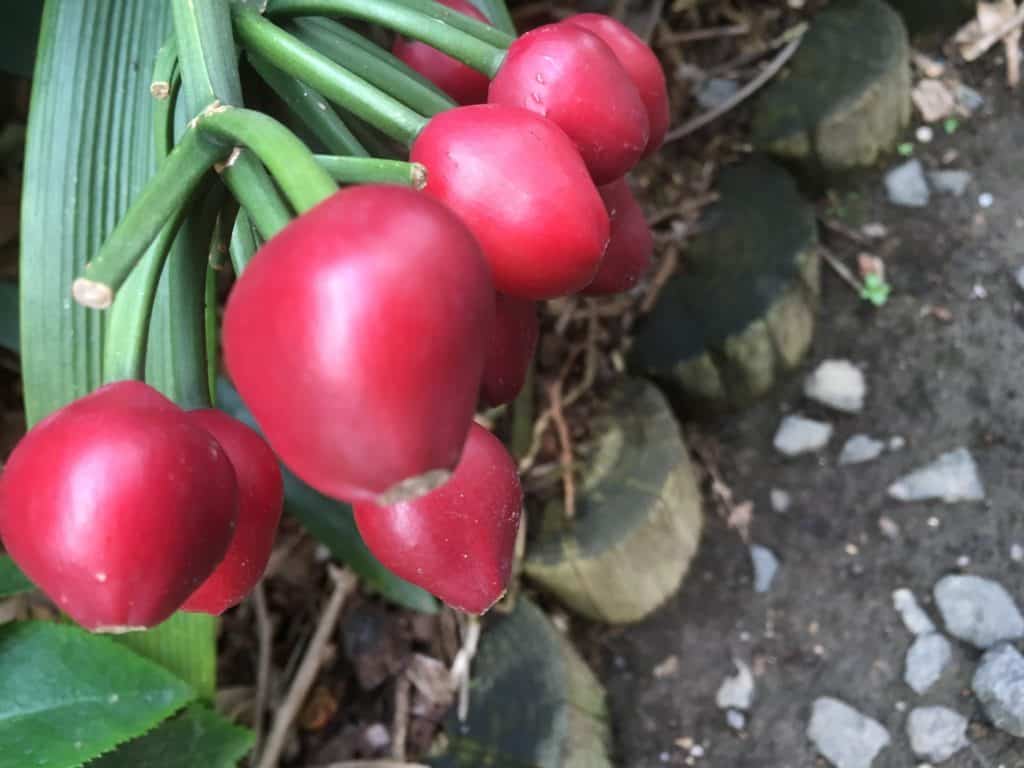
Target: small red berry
{"type": "Point", "coordinates": [118, 507]}
{"type": "Point", "coordinates": [570, 76]}
{"type": "Point", "coordinates": [458, 541]}
{"type": "Point", "coordinates": [356, 337]}
{"type": "Point", "coordinates": [518, 183]}
{"type": "Point", "coordinates": [629, 251]}
{"type": "Point", "coordinates": [260, 498]}
{"type": "Point", "coordinates": [463, 83]}
{"type": "Point", "coordinates": [510, 350]}
{"type": "Point", "coordinates": [640, 63]}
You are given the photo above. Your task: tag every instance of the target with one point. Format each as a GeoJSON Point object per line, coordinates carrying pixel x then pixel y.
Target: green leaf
{"type": "Point", "coordinates": [9, 315]}
{"type": "Point", "coordinates": [185, 644]}
{"type": "Point", "coordinates": [67, 696]}
{"type": "Point", "coordinates": [197, 737]}
{"type": "Point", "coordinates": [18, 36]}
{"type": "Point", "coordinates": [12, 580]}
{"type": "Point", "coordinates": [330, 522]}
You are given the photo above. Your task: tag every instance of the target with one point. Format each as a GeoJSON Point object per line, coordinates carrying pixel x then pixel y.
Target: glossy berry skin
{"type": "Point", "coordinates": [260, 499]}
{"type": "Point", "coordinates": [629, 251]}
{"type": "Point", "coordinates": [518, 183]}
{"type": "Point", "coordinates": [464, 84]}
{"type": "Point", "coordinates": [458, 541]}
{"type": "Point", "coordinates": [510, 349]}
{"type": "Point", "coordinates": [640, 63]}
{"type": "Point", "coordinates": [118, 506]}
{"type": "Point", "coordinates": [569, 75]}
{"type": "Point", "coordinates": [356, 336]}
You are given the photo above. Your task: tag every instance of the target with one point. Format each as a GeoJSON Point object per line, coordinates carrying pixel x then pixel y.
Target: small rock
{"type": "Point", "coordinates": [1016, 553]}
{"type": "Point", "coordinates": [897, 443]}
{"type": "Point", "coordinates": [926, 659]}
{"type": "Point", "coordinates": [906, 185]}
{"type": "Point", "coordinates": [765, 565]}
{"type": "Point", "coordinates": [839, 384]}
{"type": "Point", "coordinates": [978, 611]}
{"type": "Point", "coordinates": [999, 685]}
{"type": "Point", "coordinates": [781, 500]}
{"type": "Point", "coordinates": [889, 528]}
{"type": "Point", "coordinates": [736, 692]}
{"type": "Point", "coordinates": [1020, 278]}
{"type": "Point", "coordinates": [914, 617]}
{"type": "Point", "coordinates": [735, 720]}
{"type": "Point", "coordinates": [844, 736]}
{"type": "Point", "coordinates": [376, 736]}
{"type": "Point", "coordinates": [979, 291]}
{"type": "Point", "coordinates": [798, 435]}
{"type": "Point", "coordinates": [950, 181]}
{"type": "Point", "coordinates": [985, 200]}
{"type": "Point", "coordinates": [951, 477]}
{"type": "Point", "coordinates": [860, 448]}
{"type": "Point", "coordinates": [924, 134]}
{"type": "Point", "coordinates": [936, 733]}
{"type": "Point", "coordinates": [968, 98]}
{"type": "Point", "coordinates": [716, 91]}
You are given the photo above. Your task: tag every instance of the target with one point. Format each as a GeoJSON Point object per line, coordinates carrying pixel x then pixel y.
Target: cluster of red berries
{"type": "Point", "coordinates": [362, 338]}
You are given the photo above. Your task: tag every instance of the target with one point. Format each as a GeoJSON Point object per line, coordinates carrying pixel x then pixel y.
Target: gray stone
{"type": "Point", "coordinates": [839, 384]}
{"type": "Point", "coordinates": [765, 565]}
{"type": "Point", "coordinates": [844, 736]}
{"type": "Point", "coordinates": [798, 435]}
{"type": "Point", "coordinates": [914, 617]}
{"type": "Point", "coordinates": [736, 692]}
{"type": "Point", "coordinates": [936, 733]}
{"type": "Point", "coordinates": [781, 500]}
{"type": "Point", "coordinates": [1020, 278]}
{"type": "Point", "coordinates": [927, 657]}
{"type": "Point", "coordinates": [716, 91]}
{"type": "Point", "coordinates": [999, 685]}
{"type": "Point", "coordinates": [906, 185]}
{"type": "Point", "coordinates": [968, 98]}
{"type": "Point", "coordinates": [860, 448]}
{"type": "Point", "coordinates": [951, 182]}
{"type": "Point", "coordinates": [952, 477]}
{"type": "Point", "coordinates": [735, 720]}
{"type": "Point", "coordinates": [978, 611]}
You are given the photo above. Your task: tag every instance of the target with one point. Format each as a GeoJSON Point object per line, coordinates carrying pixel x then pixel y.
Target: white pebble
{"type": "Point", "coordinates": [985, 200]}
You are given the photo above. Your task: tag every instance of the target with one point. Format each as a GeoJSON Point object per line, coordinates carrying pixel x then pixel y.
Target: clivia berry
{"type": "Point", "coordinates": [118, 506]}
{"type": "Point", "coordinates": [641, 65]}
{"type": "Point", "coordinates": [260, 499]}
{"type": "Point", "coordinates": [356, 336]}
{"type": "Point", "coordinates": [572, 77]}
{"type": "Point", "coordinates": [463, 83]}
{"type": "Point", "coordinates": [510, 349]}
{"type": "Point", "coordinates": [629, 251]}
{"type": "Point", "coordinates": [458, 541]}
{"type": "Point", "coordinates": [518, 183]}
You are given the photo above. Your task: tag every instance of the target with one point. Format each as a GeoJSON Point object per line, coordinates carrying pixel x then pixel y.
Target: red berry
{"type": "Point", "coordinates": [260, 498]}
{"type": "Point", "coordinates": [640, 64]}
{"type": "Point", "coordinates": [570, 76]}
{"type": "Point", "coordinates": [462, 83]}
{"type": "Point", "coordinates": [520, 186]}
{"type": "Point", "coordinates": [118, 506]}
{"type": "Point", "coordinates": [629, 251]}
{"type": "Point", "coordinates": [512, 344]}
{"type": "Point", "coordinates": [458, 541]}
{"type": "Point", "coordinates": [356, 336]}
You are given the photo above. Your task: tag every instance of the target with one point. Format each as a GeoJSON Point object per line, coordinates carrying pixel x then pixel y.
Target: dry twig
{"type": "Point", "coordinates": [565, 448]}
{"type": "Point", "coordinates": [976, 48]}
{"type": "Point", "coordinates": [264, 635]}
{"type": "Point", "coordinates": [400, 721]}
{"type": "Point", "coordinates": [463, 661]}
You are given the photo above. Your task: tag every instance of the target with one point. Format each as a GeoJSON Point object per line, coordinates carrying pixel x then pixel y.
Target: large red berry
{"type": "Point", "coordinates": [356, 336]}
{"type": "Point", "coordinates": [510, 350]}
{"type": "Point", "coordinates": [118, 506]}
{"type": "Point", "coordinates": [520, 186]}
{"type": "Point", "coordinates": [640, 63]}
{"type": "Point", "coordinates": [458, 541]}
{"type": "Point", "coordinates": [629, 251]}
{"type": "Point", "coordinates": [462, 83]}
{"type": "Point", "coordinates": [260, 498]}
{"type": "Point", "coordinates": [570, 76]}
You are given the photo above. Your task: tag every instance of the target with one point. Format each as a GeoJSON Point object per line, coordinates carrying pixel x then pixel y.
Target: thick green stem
{"type": "Point", "coordinates": [336, 43]}
{"type": "Point", "coordinates": [206, 51]}
{"type": "Point", "coordinates": [337, 84]}
{"type": "Point", "coordinates": [372, 170]}
{"type": "Point", "coordinates": [252, 186]}
{"type": "Point", "coordinates": [164, 88]}
{"type": "Point", "coordinates": [498, 35]}
{"type": "Point", "coordinates": [289, 161]}
{"type": "Point", "coordinates": [441, 29]}
{"type": "Point", "coordinates": [243, 244]}
{"type": "Point", "coordinates": [497, 12]}
{"type": "Point", "coordinates": [311, 108]}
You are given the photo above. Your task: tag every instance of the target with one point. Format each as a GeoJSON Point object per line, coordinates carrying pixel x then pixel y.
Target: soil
{"type": "Point", "coordinates": [827, 625]}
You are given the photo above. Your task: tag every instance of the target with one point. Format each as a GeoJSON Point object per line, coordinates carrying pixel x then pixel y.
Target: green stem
{"type": "Point", "coordinates": [497, 12]}
{"type": "Point", "coordinates": [304, 183]}
{"type": "Point", "coordinates": [337, 44]}
{"type": "Point", "coordinates": [252, 186]}
{"type": "Point", "coordinates": [441, 28]}
{"type": "Point", "coordinates": [243, 244]}
{"type": "Point", "coordinates": [372, 170]}
{"type": "Point", "coordinates": [206, 53]}
{"type": "Point", "coordinates": [337, 84]}
{"type": "Point", "coordinates": [311, 108]}
{"type": "Point", "coordinates": [495, 35]}
{"type": "Point", "coordinates": [165, 86]}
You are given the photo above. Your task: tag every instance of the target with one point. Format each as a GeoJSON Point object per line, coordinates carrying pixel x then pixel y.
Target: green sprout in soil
{"type": "Point", "coordinates": [875, 290]}
{"type": "Point", "coordinates": [906, 149]}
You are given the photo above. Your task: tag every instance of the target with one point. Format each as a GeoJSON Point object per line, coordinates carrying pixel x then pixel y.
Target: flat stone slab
{"type": "Point", "coordinates": [936, 733]}
{"type": "Point", "coordinates": [978, 611]}
{"type": "Point", "coordinates": [844, 736]}
{"type": "Point", "coordinates": [951, 478]}
{"type": "Point", "coordinates": [999, 685]}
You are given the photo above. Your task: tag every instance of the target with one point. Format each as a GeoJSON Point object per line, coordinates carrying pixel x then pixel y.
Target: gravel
{"type": "Point", "coordinates": [927, 657]}
{"type": "Point", "coordinates": [952, 477]}
{"type": "Point", "coordinates": [736, 692]}
{"type": "Point", "coordinates": [797, 435]}
{"type": "Point", "coordinates": [978, 610]}
{"type": "Point", "coordinates": [914, 617]}
{"type": "Point", "coordinates": [949, 181]}
{"type": "Point", "coordinates": [999, 685]}
{"type": "Point", "coordinates": [844, 736]}
{"type": "Point", "coordinates": [838, 384]}
{"type": "Point", "coordinates": [906, 185]}
{"type": "Point", "coordinates": [936, 733]}
{"type": "Point", "coordinates": [860, 448]}
{"type": "Point", "coordinates": [766, 564]}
